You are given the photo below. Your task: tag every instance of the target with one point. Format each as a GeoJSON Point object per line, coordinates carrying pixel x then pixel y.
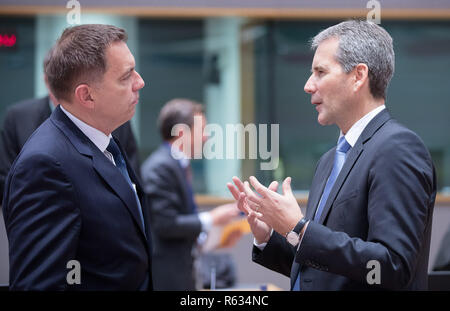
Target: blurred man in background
{"type": "Point", "coordinates": [167, 178]}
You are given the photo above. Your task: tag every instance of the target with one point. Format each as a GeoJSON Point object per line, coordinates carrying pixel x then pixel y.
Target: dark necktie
{"type": "Point", "coordinates": [188, 173]}
{"type": "Point", "coordinates": [113, 148]}
{"type": "Point", "coordinates": [339, 159]}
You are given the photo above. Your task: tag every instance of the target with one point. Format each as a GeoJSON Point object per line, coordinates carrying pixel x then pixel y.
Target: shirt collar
{"type": "Point", "coordinates": [97, 137]}
{"type": "Point", "coordinates": [178, 155]}
{"type": "Point", "coordinates": [355, 131]}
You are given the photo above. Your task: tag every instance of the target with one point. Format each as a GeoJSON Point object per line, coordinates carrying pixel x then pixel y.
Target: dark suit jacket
{"type": "Point", "coordinates": [23, 118]}
{"type": "Point", "coordinates": [64, 200]}
{"type": "Point", "coordinates": [175, 226]}
{"type": "Point", "coordinates": [380, 208]}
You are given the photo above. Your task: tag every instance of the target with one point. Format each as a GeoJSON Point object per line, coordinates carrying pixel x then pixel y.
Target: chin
{"type": "Point", "coordinates": [322, 120]}
{"type": "Point", "coordinates": [131, 112]}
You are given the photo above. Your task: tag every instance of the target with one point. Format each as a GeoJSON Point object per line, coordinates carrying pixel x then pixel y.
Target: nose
{"type": "Point", "coordinates": [139, 84]}
{"type": "Point", "coordinates": [310, 87]}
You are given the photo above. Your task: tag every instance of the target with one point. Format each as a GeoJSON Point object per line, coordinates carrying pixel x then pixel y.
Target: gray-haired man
{"type": "Point", "coordinates": [368, 219]}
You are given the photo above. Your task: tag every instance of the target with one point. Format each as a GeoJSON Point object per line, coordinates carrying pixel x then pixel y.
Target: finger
{"type": "Point", "coordinates": [234, 191]}
{"type": "Point", "coordinates": [253, 217]}
{"type": "Point", "coordinates": [238, 183]}
{"type": "Point", "coordinates": [252, 221]}
{"type": "Point", "coordinates": [254, 208]}
{"type": "Point", "coordinates": [274, 186]}
{"type": "Point", "coordinates": [287, 186]}
{"type": "Point", "coordinates": [258, 187]}
{"type": "Point", "coordinates": [255, 201]}
{"type": "Point", "coordinates": [252, 205]}
{"type": "Point", "coordinates": [242, 204]}
{"type": "Point", "coordinates": [263, 218]}
{"type": "Point", "coordinates": [250, 194]}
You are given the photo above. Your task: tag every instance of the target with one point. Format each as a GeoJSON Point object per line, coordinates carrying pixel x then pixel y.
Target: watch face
{"type": "Point", "coordinates": [292, 238]}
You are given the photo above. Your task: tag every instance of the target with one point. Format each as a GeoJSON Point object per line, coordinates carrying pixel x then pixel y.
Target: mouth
{"type": "Point", "coordinates": [316, 103]}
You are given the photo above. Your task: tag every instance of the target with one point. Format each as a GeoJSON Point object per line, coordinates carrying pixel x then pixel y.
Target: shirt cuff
{"type": "Point", "coordinates": [206, 220]}
{"type": "Point", "coordinates": [262, 245]}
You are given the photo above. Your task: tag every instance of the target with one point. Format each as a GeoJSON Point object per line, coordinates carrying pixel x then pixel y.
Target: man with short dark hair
{"type": "Point", "coordinates": [24, 117]}
{"type": "Point", "coordinates": [71, 196]}
{"type": "Point", "coordinates": [167, 178]}
{"type": "Point", "coordinates": [370, 206]}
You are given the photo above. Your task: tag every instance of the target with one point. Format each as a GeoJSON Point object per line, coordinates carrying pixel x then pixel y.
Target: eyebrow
{"type": "Point", "coordinates": [317, 68]}
{"type": "Point", "coordinates": [127, 72]}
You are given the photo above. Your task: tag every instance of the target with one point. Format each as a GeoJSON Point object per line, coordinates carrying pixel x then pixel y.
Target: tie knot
{"type": "Point", "coordinates": [113, 148]}
{"type": "Point", "coordinates": [343, 145]}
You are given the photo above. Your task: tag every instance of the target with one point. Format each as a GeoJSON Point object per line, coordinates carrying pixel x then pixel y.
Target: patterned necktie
{"type": "Point", "coordinates": [339, 159]}
{"type": "Point", "coordinates": [113, 148]}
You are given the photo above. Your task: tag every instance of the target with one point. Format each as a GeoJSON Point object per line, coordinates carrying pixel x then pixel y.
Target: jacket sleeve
{"type": "Point", "coordinates": [277, 255]}
{"type": "Point", "coordinates": [166, 204]}
{"type": "Point", "coordinates": [9, 148]}
{"type": "Point", "coordinates": [42, 222]}
{"type": "Point", "coordinates": [400, 201]}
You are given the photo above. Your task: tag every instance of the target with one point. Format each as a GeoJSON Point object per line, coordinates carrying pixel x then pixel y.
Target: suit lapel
{"type": "Point", "coordinates": [139, 189]}
{"type": "Point", "coordinates": [353, 156]}
{"type": "Point", "coordinates": [351, 159]}
{"type": "Point", "coordinates": [105, 168]}
{"type": "Point", "coordinates": [294, 273]}
{"type": "Point", "coordinates": [319, 184]}
{"type": "Point", "coordinates": [112, 176]}
{"type": "Point", "coordinates": [315, 193]}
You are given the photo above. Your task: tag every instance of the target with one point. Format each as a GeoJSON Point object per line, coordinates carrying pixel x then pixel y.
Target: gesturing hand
{"type": "Point", "coordinates": [281, 212]}
{"type": "Point", "coordinates": [261, 231]}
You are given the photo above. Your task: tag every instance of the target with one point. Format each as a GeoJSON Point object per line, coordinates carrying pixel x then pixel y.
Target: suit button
{"type": "Point", "coordinates": [307, 280]}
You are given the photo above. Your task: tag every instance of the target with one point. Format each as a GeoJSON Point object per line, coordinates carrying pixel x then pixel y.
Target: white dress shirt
{"type": "Point", "coordinates": [355, 131]}
{"type": "Point", "coordinates": [96, 136]}
{"type": "Point", "coordinates": [351, 137]}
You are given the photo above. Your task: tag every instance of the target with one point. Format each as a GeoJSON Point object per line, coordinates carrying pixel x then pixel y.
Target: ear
{"type": "Point", "coordinates": [83, 94]}
{"type": "Point", "coordinates": [361, 76]}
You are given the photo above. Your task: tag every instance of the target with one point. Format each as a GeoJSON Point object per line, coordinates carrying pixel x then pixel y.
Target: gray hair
{"type": "Point", "coordinates": [363, 42]}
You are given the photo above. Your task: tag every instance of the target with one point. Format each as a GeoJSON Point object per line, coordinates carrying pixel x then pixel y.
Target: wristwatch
{"type": "Point", "coordinates": [293, 237]}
